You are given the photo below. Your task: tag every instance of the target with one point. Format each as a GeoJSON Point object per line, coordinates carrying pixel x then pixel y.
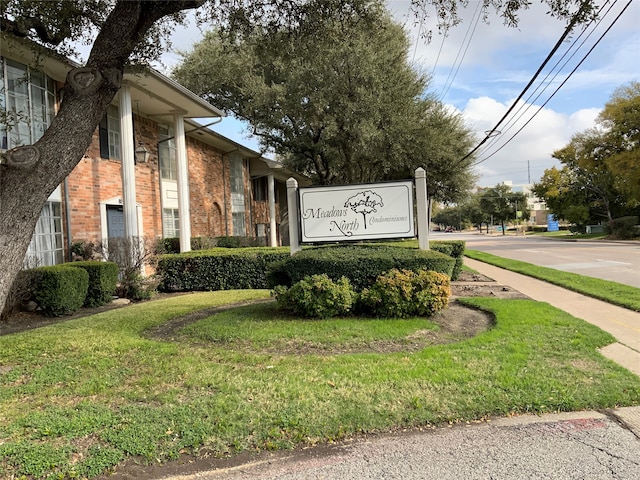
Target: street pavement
{"type": "Point", "coordinates": [576, 446]}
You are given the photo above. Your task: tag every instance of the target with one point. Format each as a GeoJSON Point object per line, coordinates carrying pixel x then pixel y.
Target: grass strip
{"type": "Point", "coordinates": [612, 292]}
{"type": "Point", "coordinates": [78, 397]}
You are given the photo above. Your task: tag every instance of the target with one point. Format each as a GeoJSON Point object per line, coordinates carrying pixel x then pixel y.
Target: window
{"type": "Point", "coordinates": [46, 243]}
{"type": "Point", "coordinates": [261, 230]}
{"type": "Point", "coordinates": [239, 226]}
{"type": "Point", "coordinates": [170, 222]}
{"type": "Point", "coordinates": [27, 104]}
{"type": "Point", "coordinates": [237, 197]}
{"type": "Point", "coordinates": [260, 189]}
{"type": "Point", "coordinates": [109, 130]}
{"type": "Point", "coordinates": [167, 153]}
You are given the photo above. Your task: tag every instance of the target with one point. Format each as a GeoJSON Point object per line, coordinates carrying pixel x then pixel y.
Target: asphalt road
{"type": "Point", "coordinates": [616, 261]}
{"type": "Point", "coordinates": [584, 445]}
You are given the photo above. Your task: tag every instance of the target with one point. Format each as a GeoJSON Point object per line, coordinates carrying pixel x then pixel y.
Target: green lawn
{"type": "Point", "coordinates": [78, 397]}
{"type": "Point", "coordinates": [616, 293]}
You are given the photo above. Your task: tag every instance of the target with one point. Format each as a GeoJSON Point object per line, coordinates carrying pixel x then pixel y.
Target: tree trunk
{"type": "Point", "coordinates": [32, 173]}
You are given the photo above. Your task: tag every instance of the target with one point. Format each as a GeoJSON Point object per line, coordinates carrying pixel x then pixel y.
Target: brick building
{"type": "Point", "coordinates": [151, 171]}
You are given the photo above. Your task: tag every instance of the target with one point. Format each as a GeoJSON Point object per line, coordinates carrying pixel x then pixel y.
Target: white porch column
{"type": "Point", "coordinates": [183, 183]}
{"type": "Point", "coordinates": [127, 152]}
{"type": "Point", "coordinates": [421, 208]}
{"type": "Point", "coordinates": [273, 237]}
{"type": "Point", "coordinates": [294, 215]}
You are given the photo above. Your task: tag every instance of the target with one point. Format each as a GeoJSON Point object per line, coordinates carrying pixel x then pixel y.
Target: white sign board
{"type": "Point", "coordinates": [357, 212]}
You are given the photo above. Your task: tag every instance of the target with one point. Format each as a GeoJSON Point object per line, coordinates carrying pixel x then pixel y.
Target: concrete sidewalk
{"type": "Point", "coordinates": [620, 322]}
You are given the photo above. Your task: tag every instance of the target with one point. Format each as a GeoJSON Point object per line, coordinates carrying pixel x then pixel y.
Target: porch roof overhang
{"type": "Point", "coordinates": [160, 97]}
{"type": "Point", "coordinates": [156, 95]}
{"type": "Point", "coordinates": [259, 166]}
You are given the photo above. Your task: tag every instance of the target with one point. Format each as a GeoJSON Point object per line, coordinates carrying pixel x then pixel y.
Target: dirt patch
{"type": "Point", "coordinates": [478, 285]}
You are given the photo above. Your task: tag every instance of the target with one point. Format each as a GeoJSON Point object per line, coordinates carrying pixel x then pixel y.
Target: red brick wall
{"type": "Point", "coordinates": [96, 179]}
{"type": "Point", "coordinates": [208, 187]}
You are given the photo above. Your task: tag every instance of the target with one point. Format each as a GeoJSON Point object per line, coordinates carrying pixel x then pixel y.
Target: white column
{"type": "Point", "coordinates": [292, 207]}
{"type": "Point", "coordinates": [127, 152]}
{"type": "Point", "coordinates": [421, 209]}
{"type": "Point", "coordinates": [273, 238]}
{"type": "Point", "coordinates": [183, 184]}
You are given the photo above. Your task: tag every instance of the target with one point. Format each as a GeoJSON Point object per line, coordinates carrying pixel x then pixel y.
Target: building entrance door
{"type": "Point", "coordinates": [115, 221]}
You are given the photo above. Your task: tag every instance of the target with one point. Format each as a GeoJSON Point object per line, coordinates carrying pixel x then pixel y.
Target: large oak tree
{"type": "Point", "coordinates": [128, 31]}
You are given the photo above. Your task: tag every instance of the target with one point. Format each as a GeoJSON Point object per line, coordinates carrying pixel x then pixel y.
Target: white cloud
{"type": "Point", "coordinates": [528, 154]}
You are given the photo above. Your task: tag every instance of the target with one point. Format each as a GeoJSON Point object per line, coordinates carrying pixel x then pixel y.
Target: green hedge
{"type": "Point", "coordinates": [218, 269]}
{"type": "Point", "coordinates": [361, 264]}
{"type": "Point", "coordinates": [103, 279]}
{"type": "Point", "coordinates": [457, 251]}
{"type": "Point", "coordinates": [61, 289]}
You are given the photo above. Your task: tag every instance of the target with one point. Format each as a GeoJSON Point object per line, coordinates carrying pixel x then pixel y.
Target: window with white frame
{"type": "Point", "coordinates": [109, 132]}
{"type": "Point", "coordinates": [170, 222]}
{"type": "Point", "coordinates": [27, 104]}
{"type": "Point", "coordinates": [167, 153]}
{"type": "Point", "coordinates": [238, 218]}
{"type": "Point", "coordinates": [46, 247]}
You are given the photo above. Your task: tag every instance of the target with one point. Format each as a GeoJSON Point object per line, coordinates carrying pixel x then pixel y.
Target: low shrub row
{"type": "Point", "coordinates": [172, 244]}
{"type": "Point", "coordinates": [217, 269]}
{"type": "Point", "coordinates": [360, 264]}
{"type": "Point", "coordinates": [395, 294]}
{"type": "Point", "coordinates": [225, 269]}
{"type": "Point", "coordinates": [64, 289]}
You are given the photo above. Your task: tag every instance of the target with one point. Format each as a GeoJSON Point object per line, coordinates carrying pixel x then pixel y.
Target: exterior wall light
{"type": "Point", "coordinates": [142, 154]}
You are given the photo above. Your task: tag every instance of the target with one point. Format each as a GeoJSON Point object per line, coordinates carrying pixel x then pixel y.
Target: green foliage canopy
{"type": "Point", "coordinates": [335, 97]}
{"type": "Point", "coordinates": [600, 174]}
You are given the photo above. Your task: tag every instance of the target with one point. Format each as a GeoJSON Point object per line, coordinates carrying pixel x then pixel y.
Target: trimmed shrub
{"type": "Point", "coordinates": [218, 269]}
{"type": "Point", "coordinates": [168, 245]}
{"type": "Point", "coordinates": [361, 264]}
{"type": "Point", "coordinates": [103, 279]}
{"type": "Point", "coordinates": [404, 293]}
{"type": "Point", "coordinates": [61, 289]}
{"type": "Point", "coordinates": [228, 242]}
{"type": "Point", "coordinates": [240, 242]}
{"type": "Point", "coordinates": [317, 296]}
{"type": "Point", "coordinates": [457, 252]}
{"type": "Point", "coordinates": [623, 227]}
{"type": "Point", "coordinates": [172, 244]}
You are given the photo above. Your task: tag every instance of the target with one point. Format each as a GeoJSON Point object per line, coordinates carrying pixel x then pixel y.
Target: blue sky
{"type": "Point", "coordinates": [483, 82]}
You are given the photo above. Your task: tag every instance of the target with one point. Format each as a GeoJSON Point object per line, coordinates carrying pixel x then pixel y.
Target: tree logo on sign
{"type": "Point", "coordinates": [364, 203]}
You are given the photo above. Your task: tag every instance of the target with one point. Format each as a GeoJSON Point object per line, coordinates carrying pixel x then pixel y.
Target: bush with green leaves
{"type": "Point", "coordinates": [361, 264]}
{"type": "Point", "coordinates": [218, 269]}
{"type": "Point", "coordinates": [405, 293]}
{"type": "Point", "coordinates": [317, 296]}
{"type": "Point", "coordinates": [624, 227]}
{"type": "Point", "coordinates": [61, 289]}
{"type": "Point", "coordinates": [457, 248]}
{"type": "Point", "coordinates": [103, 279]}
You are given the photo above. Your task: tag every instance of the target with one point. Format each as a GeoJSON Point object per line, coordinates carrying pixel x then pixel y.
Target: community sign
{"type": "Point", "coordinates": [357, 212]}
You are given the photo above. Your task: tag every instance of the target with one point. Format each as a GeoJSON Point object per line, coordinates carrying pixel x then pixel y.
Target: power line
{"type": "Point", "coordinates": [561, 84]}
{"type": "Point", "coordinates": [558, 44]}
{"type": "Point", "coordinates": [475, 17]}
{"type": "Point", "coordinates": [528, 103]}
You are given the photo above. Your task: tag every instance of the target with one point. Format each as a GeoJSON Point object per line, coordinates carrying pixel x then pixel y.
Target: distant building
{"type": "Point", "coordinates": [537, 207]}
